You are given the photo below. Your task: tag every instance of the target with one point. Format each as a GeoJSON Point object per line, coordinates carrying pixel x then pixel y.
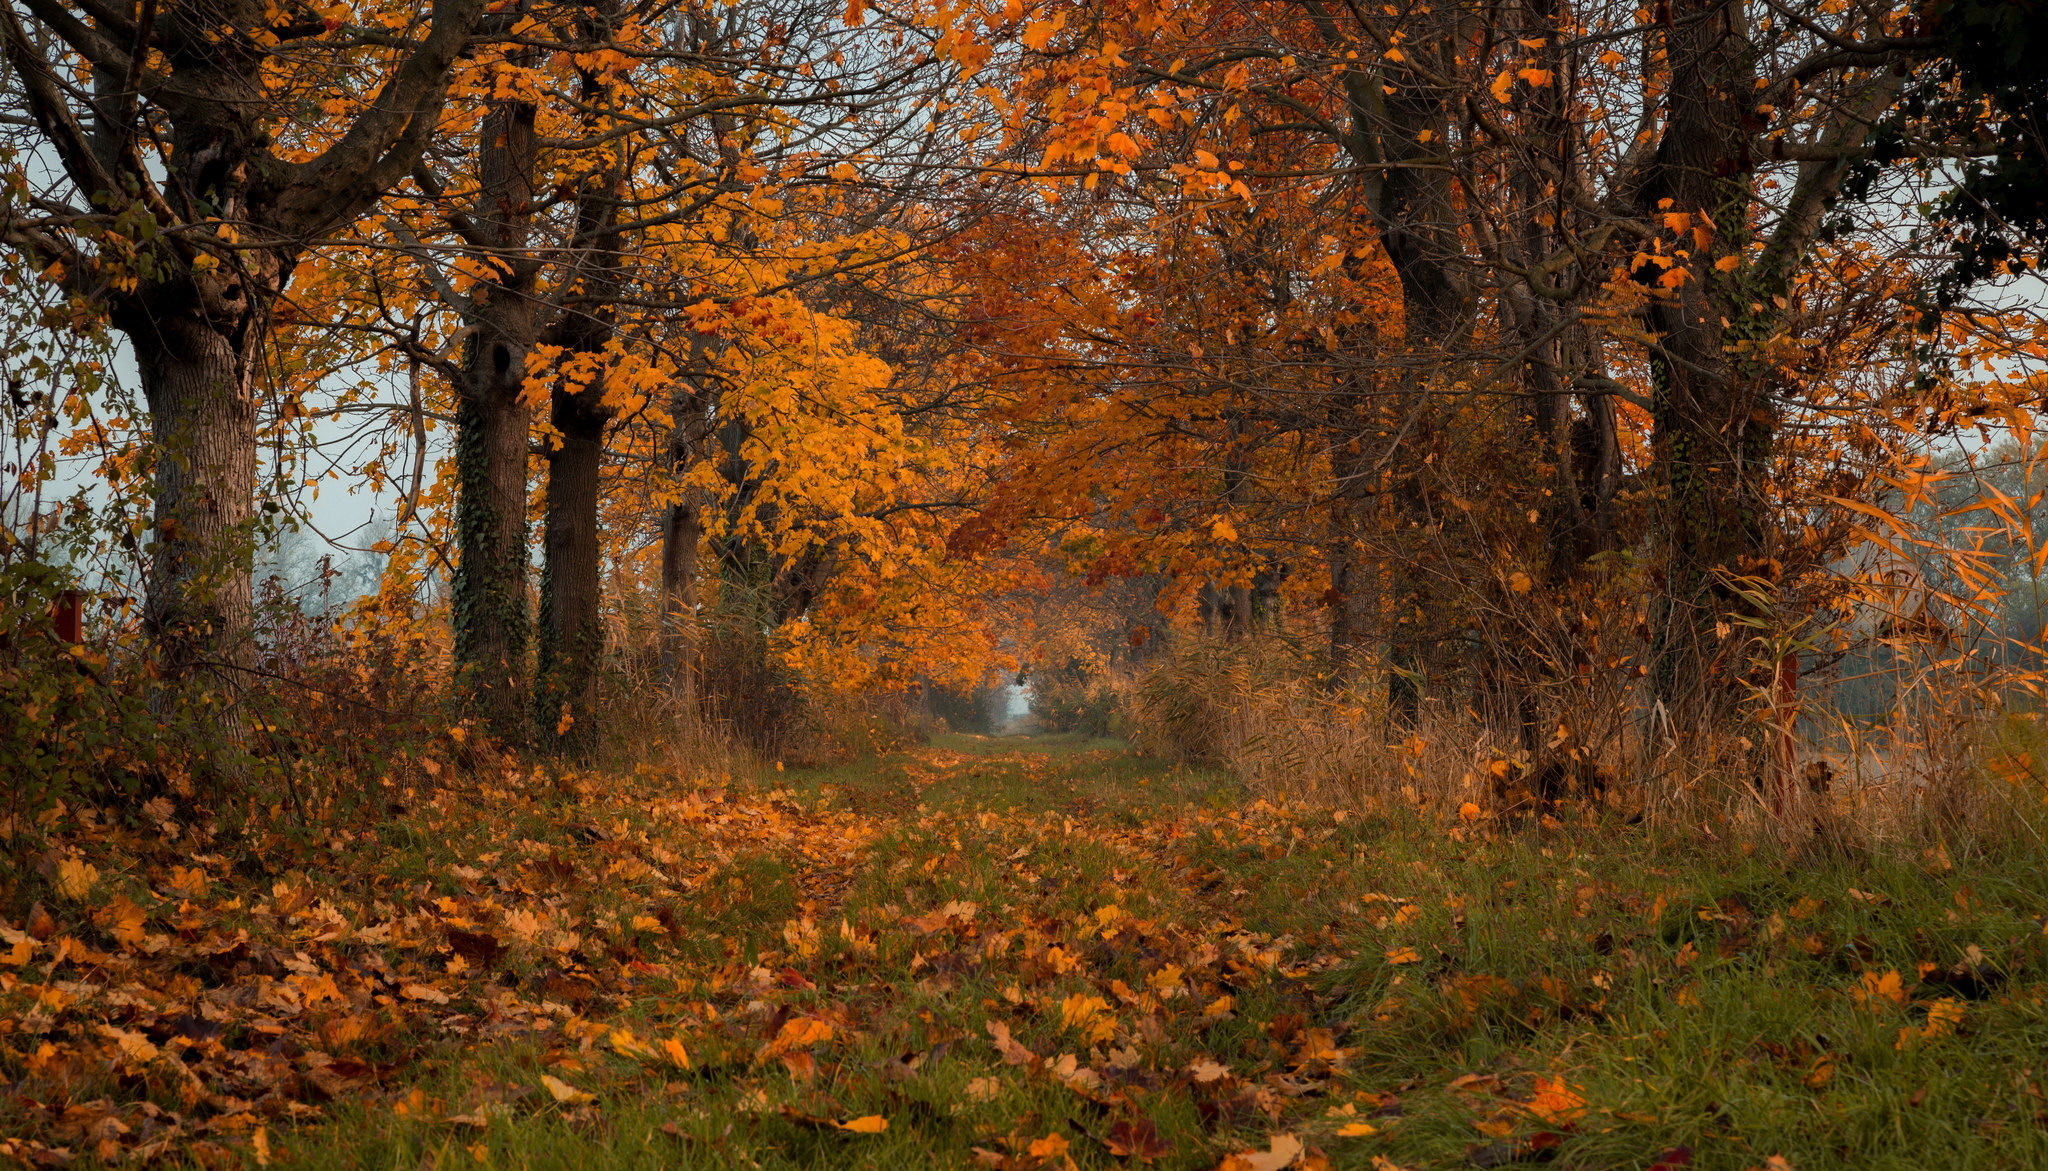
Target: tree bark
{"type": "Point", "coordinates": [571, 598]}
{"type": "Point", "coordinates": [682, 541]}
{"type": "Point", "coordinates": [1712, 434]}
{"type": "Point", "coordinates": [682, 535]}
{"type": "Point", "coordinates": [492, 626]}
{"type": "Point", "coordinates": [1398, 125]}
{"type": "Point", "coordinates": [198, 375]}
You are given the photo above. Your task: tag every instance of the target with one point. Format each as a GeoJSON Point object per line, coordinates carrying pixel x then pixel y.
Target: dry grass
{"type": "Point", "coordinates": [1948, 776]}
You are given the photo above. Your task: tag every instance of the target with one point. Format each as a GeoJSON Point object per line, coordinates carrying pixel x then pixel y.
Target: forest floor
{"type": "Point", "coordinates": [1012, 953]}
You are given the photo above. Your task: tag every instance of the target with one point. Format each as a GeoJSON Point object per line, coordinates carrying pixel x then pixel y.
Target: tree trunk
{"type": "Point", "coordinates": [571, 619]}
{"type": "Point", "coordinates": [571, 597]}
{"type": "Point", "coordinates": [198, 364]}
{"type": "Point", "coordinates": [1399, 122]}
{"type": "Point", "coordinates": [492, 626]}
{"type": "Point", "coordinates": [682, 538]}
{"type": "Point", "coordinates": [1354, 596]}
{"type": "Point", "coordinates": [1712, 436]}
{"type": "Point", "coordinates": [682, 535]}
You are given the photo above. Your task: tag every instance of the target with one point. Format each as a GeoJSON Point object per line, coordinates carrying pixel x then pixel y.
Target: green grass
{"type": "Point", "coordinates": [1217, 968]}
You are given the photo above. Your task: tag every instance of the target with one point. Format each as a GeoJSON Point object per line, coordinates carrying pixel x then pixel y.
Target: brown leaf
{"type": "Point", "coordinates": [1139, 1139]}
{"type": "Point", "coordinates": [477, 947]}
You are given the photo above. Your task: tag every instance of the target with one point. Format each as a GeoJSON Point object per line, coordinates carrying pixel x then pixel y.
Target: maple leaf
{"type": "Point", "coordinates": [125, 920]}
{"type": "Point", "coordinates": [1013, 1053]}
{"type": "Point", "coordinates": [1556, 1101]}
{"type": "Point", "coordinates": [75, 878]}
{"type": "Point", "coordinates": [1884, 986]}
{"type": "Point", "coordinates": [1136, 1139]}
{"type": "Point", "coordinates": [1052, 1146]}
{"type": "Point", "coordinates": [1281, 1151]}
{"type": "Point", "coordinates": [984, 1089]}
{"type": "Point", "coordinates": [1089, 1016]}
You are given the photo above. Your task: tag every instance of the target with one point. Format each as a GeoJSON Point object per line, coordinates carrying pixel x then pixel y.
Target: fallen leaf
{"type": "Point", "coordinates": [565, 1093]}
{"type": "Point", "coordinates": [1280, 1152]}
{"type": "Point", "coordinates": [866, 1124]}
{"type": "Point", "coordinates": [1556, 1101]}
{"type": "Point", "coordinates": [423, 992]}
{"type": "Point", "coordinates": [1136, 1139]}
{"type": "Point", "coordinates": [75, 878]}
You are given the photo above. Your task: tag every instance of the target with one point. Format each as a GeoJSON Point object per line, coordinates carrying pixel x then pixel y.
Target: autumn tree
{"type": "Point", "coordinates": [188, 182]}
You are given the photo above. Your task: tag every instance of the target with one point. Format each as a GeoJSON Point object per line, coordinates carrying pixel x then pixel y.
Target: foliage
{"type": "Point", "coordinates": [70, 733]}
{"type": "Point", "coordinates": [1072, 698]}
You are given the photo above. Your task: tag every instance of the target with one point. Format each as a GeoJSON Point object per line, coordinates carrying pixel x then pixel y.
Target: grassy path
{"type": "Point", "coordinates": [1024, 954]}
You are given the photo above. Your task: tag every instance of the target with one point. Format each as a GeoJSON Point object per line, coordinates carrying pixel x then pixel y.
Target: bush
{"type": "Point", "coordinates": [1073, 698]}
{"type": "Point", "coordinates": [64, 731]}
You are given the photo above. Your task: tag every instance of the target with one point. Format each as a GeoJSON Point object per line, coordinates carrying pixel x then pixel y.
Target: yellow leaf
{"type": "Point", "coordinates": [564, 1092]}
{"type": "Point", "coordinates": [1052, 1146]}
{"type": "Point", "coordinates": [1519, 582]}
{"type": "Point", "coordinates": [1468, 812]}
{"type": "Point", "coordinates": [1942, 1017]}
{"type": "Point", "coordinates": [1357, 1129]}
{"type": "Point", "coordinates": [804, 1031]}
{"type": "Point", "coordinates": [1088, 1015]}
{"type": "Point", "coordinates": [1538, 77]}
{"type": "Point", "coordinates": [1887, 986]}
{"type": "Point", "coordinates": [676, 1053]}
{"type": "Point", "coordinates": [1282, 1151]}
{"type": "Point", "coordinates": [867, 1124]}
{"type": "Point", "coordinates": [624, 1041]}
{"type": "Point", "coordinates": [135, 1048]}
{"type": "Point", "coordinates": [126, 922]}
{"type": "Point", "coordinates": [1403, 955]}
{"type": "Point", "coordinates": [1728, 264]}
{"type": "Point", "coordinates": [75, 878]}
